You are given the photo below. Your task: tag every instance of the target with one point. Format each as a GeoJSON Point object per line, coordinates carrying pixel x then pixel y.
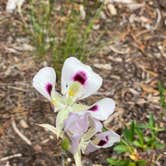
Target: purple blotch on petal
{"type": "Point", "coordinates": [80, 77]}
{"type": "Point", "coordinates": [103, 142]}
{"type": "Point", "coordinates": [93, 108]}
{"type": "Point", "coordinates": [49, 88]}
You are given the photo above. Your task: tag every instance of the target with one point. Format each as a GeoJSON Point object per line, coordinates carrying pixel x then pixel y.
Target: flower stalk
{"type": "Point", "coordinates": [77, 158]}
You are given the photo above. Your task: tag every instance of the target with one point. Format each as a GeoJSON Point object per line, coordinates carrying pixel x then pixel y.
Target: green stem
{"type": "Point", "coordinates": [130, 148]}
{"type": "Point", "coordinates": [77, 158]}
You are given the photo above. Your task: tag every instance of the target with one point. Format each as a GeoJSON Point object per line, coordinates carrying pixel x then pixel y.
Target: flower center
{"type": "Point", "coordinates": [74, 89]}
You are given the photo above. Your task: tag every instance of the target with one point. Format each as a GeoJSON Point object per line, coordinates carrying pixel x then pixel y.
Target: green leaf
{"type": "Point", "coordinates": [159, 145]}
{"type": "Point", "coordinates": [65, 144]}
{"type": "Point", "coordinates": [148, 139]}
{"type": "Point", "coordinates": [131, 164]}
{"type": "Point", "coordinates": [121, 148]}
{"type": "Point", "coordinates": [151, 121]}
{"type": "Point", "coordinates": [129, 133]}
{"type": "Point", "coordinates": [141, 163]}
{"type": "Point", "coordinates": [137, 144]}
{"type": "Point", "coordinates": [142, 126]}
{"type": "Point", "coordinates": [140, 135]}
{"type": "Point", "coordinates": [116, 162]}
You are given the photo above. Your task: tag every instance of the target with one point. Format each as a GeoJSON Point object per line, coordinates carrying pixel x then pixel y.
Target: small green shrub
{"type": "Point", "coordinates": [116, 162]}
{"type": "Point", "coordinates": [137, 138]}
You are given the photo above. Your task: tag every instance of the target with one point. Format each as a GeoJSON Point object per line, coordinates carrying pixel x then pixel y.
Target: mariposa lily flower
{"type": "Point", "coordinates": [81, 123]}
{"type": "Point", "coordinates": [78, 81]}
{"type": "Point", "coordinates": [85, 134]}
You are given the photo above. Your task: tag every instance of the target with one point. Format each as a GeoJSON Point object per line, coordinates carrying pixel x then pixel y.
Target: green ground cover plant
{"type": "Point", "coordinates": [136, 139]}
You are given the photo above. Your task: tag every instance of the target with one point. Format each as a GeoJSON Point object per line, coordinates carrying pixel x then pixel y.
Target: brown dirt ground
{"type": "Point", "coordinates": [131, 67]}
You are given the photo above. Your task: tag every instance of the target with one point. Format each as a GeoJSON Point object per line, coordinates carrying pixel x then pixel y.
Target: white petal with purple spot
{"type": "Point", "coordinates": [102, 140]}
{"type": "Point", "coordinates": [44, 82]}
{"type": "Point", "coordinates": [75, 71]}
{"type": "Point", "coordinates": [102, 109]}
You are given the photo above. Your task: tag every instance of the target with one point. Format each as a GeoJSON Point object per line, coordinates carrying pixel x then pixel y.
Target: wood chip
{"type": "Point", "coordinates": [112, 9]}
{"type": "Point", "coordinates": [103, 66]}
{"type": "Point", "coordinates": [82, 12]}
{"type": "Point", "coordinates": [148, 89]}
{"type": "Point", "coordinates": [24, 124]}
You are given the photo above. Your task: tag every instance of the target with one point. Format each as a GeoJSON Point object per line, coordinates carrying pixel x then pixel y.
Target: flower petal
{"type": "Point", "coordinates": [75, 126]}
{"type": "Point", "coordinates": [76, 123]}
{"type": "Point", "coordinates": [102, 109]}
{"type": "Point", "coordinates": [97, 125]}
{"type": "Point", "coordinates": [44, 82]}
{"type": "Point", "coordinates": [75, 71]}
{"type": "Point", "coordinates": [107, 139]}
{"type": "Point", "coordinates": [102, 140]}
{"type": "Point", "coordinates": [75, 141]}
{"type": "Point", "coordinates": [94, 127]}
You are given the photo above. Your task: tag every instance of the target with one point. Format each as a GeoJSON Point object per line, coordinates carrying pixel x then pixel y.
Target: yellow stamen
{"type": "Point", "coordinates": [71, 93]}
{"type": "Point", "coordinates": [53, 101]}
{"type": "Point", "coordinates": [74, 89]}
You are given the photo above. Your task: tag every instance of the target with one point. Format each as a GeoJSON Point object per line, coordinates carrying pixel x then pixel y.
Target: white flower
{"type": "Point", "coordinates": [80, 123]}
{"type": "Point", "coordinates": [78, 81]}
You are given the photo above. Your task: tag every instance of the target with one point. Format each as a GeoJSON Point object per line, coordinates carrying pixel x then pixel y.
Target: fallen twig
{"type": "Point", "coordinates": [118, 51]}
{"type": "Point", "coordinates": [11, 157]}
{"type": "Point", "coordinates": [23, 137]}
{"type": "Point", "coordinates": [159, 17]}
